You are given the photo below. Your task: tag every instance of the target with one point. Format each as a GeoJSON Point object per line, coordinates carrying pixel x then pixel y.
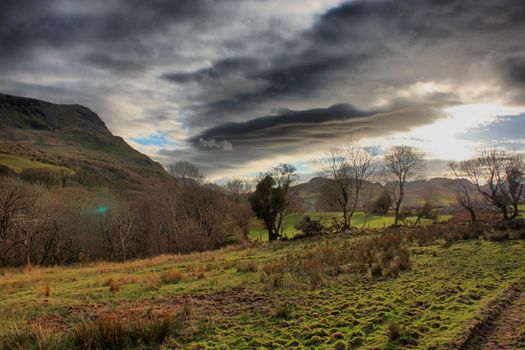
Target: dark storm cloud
{"type": "Point", "coordinates": [28, 24]}
{"type": "Point", "coordinates": [285, 118]}
{"type": "Point", "coordinates": [363, 44]}
{"type": "Point", "coordinates": [221, 73]}
{"type": "Point", "coordinates": [107, 62]}
{"type": "Point", "coordinates": [220, 69]}
{"type": "Point", "coordinates": [290, 132]}
{"type": "Point", "coordinates": [514, 67]}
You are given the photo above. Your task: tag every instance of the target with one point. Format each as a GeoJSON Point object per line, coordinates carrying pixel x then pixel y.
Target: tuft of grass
{"type": "Point", "coordinates": [281, 310]}
{"type": "Point", "coordinates": [34, 336]}
{"type": "Point", "coordinates": [171, 276]}
{"type": "Point", "coordinates": [113, 285]}
{"type": "Point", "coordinates": [250, 266]}
{"type": "Point", "coordinates": [152, 282]}
{"type": "Point", "coordinates": [45, 291]}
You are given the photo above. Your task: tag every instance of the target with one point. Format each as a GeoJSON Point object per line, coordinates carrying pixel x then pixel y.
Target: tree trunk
{"type": "Point", "coordinates": [516, 211]}
{"type": "Point", "coordinates": [398, 207]}
{"type": "Point", "coordinates": [123, 247]}
{"type": "Point", "coordinates": [28, 258]}
{"type": "Point", "coordinates": [345, 218]}
{"type": "Point", "coordinates": [505, 212]}
{"type": "Point", "coordinates": [473, 217]}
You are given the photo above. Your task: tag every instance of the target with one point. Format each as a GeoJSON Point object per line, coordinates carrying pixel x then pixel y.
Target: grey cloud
{"type": "Point", "coordinates": [292, 132]}
{"type": "Point", "coordinates": [107, 62]}
{"type": "Point", "coordinates": [361, 46]}
{"type": "Point", "coordinates": [220, 69]}
{"type": "Point", "coordinates": [223, 66]}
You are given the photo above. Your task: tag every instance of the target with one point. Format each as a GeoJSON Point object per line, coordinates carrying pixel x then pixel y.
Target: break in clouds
{"type": "Point", "coordinates": [236, 85]}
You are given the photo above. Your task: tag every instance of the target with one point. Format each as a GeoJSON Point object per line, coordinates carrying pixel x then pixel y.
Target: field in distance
{"type": "Point", "coordinates": [373, 221]}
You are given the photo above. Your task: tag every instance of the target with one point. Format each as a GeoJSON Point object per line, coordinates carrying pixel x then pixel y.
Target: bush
{"type": "Point", "coordinates": [497, 236]}
{"type": "Point", "coordinates": [310, 227]}
{"type": "Point", "coordinates": [382, 204]}
{"type": "Point", "coordinates": [41, 175]}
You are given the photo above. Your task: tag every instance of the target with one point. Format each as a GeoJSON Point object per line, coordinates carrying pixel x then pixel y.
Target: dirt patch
{"type": "Point", "coordinates": [225, 303]}
{"type": "Point", "coordinates": [496, 326]}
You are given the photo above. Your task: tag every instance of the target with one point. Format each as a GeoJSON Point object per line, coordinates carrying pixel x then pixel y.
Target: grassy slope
{"type": "Point", "coordinates": [17, 164]}
{"type": "Point", "coordinates": [109, 157]}
{"type": "Point", "coordinates": [431, 304]}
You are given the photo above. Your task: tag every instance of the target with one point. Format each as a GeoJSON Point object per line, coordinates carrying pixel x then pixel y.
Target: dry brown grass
{"type": "Point", "coordinates": [248, 266]}
{"type": "Point", "coordinates": [113, 285]}
{"type": "Point", "coordinates": [382, 255]}
{"type": "Point", "coordinates": [44, 291]}
{"type": "Point", "coordinates": [171, 276]}
{"type": "Point", "coordinates": [151, 282]}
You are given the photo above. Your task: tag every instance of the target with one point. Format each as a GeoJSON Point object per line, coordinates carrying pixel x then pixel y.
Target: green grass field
{"type": "Point", "coordinates": [18, 164]}
{"type": "Point", "coordinates": [227, 304]}
{"type": "Point", "coordinates": [258, 232]}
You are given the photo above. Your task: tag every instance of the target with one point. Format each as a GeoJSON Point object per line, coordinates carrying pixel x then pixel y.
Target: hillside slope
{"type": "Point", "coordinates": [263, 297]}
{"type": "Point", "coordinates": [72, 140]}
{"type": "Point", "coordinates": [439, 190]}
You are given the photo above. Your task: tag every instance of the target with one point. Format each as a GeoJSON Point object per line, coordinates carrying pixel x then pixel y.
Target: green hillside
{"type": "Point", "coordinates": [40, 135]}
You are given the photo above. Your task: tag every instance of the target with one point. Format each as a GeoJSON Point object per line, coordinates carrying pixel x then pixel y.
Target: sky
{"type": "Point", "coordinates": [239, 86]}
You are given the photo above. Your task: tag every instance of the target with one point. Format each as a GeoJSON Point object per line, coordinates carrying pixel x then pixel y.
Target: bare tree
{"type": "Point", "coordinates": [463, 191]}
{"type": "Point", "coordinates": [337, 168]}
{"type": "Point", "coordinates": [498, 176]}
{"type": "Point", "coordinates": [186, 171]}
{"type": "Point", "coordinates": [191, 218]}
{"type": "Point", "coordinates": [401, 163]}
{"type": "Point", "coordinates": [26, 213]}
{"type": "Point", "coordinates": [12, 206]}
{"type": "Point", "coordinates": [362, 168]}
{"type": "Point", "coordinates": [513, 180]}
{"type": "Point", "coordinates": [240, 209]}
{"type": "Point", "coordinates": [349, 167]}
{"type": "Point", "coordinates": [122, 221]}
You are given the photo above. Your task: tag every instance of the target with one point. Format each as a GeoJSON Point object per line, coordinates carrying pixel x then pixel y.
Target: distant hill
{"type": "Point", "coordinates": [439, 190]}
{"type": "Point", "coordinates": [70, 140]}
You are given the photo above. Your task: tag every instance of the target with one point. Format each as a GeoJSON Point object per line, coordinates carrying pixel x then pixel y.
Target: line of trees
{"type": "Point", "coordinates": [494, 177]}
{"type": "Point", "coordinates": [351, 166]}
{"type": "Point", "coordinates": [46, 224]}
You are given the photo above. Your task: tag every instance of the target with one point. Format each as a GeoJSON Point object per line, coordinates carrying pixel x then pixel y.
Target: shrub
{"type": "Point", "coordinates": [497, 236]}
{"type": "Point", "coordinates": [310, 227]}
{"type": "Point", "coordinates": [41, 175]}
{"type": "Point", "coordinates": [376, 270]}
{"type": "Point", "coordinates": [382, 204]}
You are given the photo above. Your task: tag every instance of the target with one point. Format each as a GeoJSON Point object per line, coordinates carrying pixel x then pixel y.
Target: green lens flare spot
{"type": "Point", "coordinates": [101, 210]}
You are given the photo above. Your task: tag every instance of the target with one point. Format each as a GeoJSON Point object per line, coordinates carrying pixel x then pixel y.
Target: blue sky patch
{"type": "Point", "coordinates": [504, 128]}
{"type": "Point", "coordinates": [153, 140]}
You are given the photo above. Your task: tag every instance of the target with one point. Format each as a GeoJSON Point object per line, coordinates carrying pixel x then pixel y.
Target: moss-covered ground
{"type": "Point", "coordinates": [235, 306]}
